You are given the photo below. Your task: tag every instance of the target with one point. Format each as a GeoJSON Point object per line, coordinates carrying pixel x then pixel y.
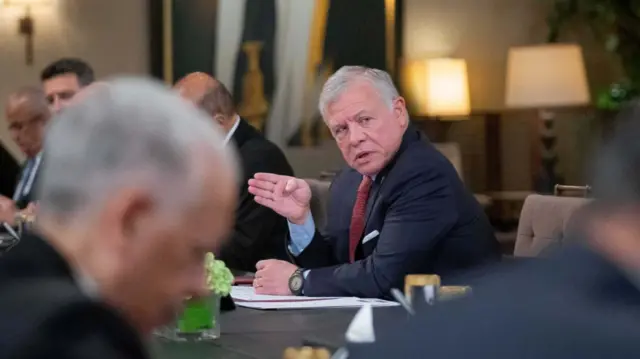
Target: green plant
{"type": "Point", "coordinates": [616, 24]}
{"type": "Point", "coordinates": [219, 277]}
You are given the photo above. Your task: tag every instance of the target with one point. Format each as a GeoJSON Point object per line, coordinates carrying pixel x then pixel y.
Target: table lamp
{"type": "Point", "coordinates": [438, 89]}
{"type": "Point", "coordinates": [546, 77]}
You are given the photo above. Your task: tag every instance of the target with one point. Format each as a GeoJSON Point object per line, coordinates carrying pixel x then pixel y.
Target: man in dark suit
{"type": "Point", "coordinates": [27, 116]}
{"type": "Point", "coordinates": [258, 230]}
{"type": "Point", "coordinates": [399, 209]}
{"type": "Point", "coordinates": [127, 170]}
{"type": "Point", "coordinates": [582, 302]}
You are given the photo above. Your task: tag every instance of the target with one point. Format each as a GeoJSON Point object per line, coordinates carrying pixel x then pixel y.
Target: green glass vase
{"type": "Point", "coordinates": [199, 321]}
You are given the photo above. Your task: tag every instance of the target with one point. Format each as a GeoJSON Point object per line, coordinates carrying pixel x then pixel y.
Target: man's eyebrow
{"type": "Point", "coordinates": [357, 115]}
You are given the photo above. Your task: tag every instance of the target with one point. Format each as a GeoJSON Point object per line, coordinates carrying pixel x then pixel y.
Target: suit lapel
{"type": "Point", "coordinates": [373, 199]}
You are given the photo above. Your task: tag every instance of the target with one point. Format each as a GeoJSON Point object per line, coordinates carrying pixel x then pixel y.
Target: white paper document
{"type": "Point", "coordinates": [245, 296]}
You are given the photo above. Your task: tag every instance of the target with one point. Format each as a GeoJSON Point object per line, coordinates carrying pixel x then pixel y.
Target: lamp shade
{"type": "Point", "coordinates": [550, 75]}
{"type": "Point", "coordinates": [439, 87]}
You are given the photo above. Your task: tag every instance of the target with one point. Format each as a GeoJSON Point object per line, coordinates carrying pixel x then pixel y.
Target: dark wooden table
{"type": "Point", "coordinates": [254, 334]}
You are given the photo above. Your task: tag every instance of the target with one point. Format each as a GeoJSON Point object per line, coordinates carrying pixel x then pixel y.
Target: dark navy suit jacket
{"type": "Point", "coordinates": [428, 222]}
{"type": "Point", "coordinates": [575, 304]}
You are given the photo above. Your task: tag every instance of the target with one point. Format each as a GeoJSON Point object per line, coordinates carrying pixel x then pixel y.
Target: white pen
{"type": "Point", "coordinates": [10, 230]}
{"type": "Point", "coordinates": [400, 298]}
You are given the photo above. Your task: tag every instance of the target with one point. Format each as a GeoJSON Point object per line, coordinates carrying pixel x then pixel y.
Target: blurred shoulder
{"type": "Point", "coordinates": [47, 315]}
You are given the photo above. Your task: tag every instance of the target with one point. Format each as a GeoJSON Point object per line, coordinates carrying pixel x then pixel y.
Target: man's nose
{"type": "Point", "coordinates": [56, 105]}
{"type": "Point", "coordinates": [356, 135]}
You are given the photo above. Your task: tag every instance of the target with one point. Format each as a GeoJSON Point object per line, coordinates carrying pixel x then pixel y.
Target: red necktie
{"type": "Point", "coordinates": [357, 216]}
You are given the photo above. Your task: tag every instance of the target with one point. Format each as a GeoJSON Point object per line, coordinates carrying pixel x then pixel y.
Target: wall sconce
{"type": "Point", "coordinates": [26, 26]}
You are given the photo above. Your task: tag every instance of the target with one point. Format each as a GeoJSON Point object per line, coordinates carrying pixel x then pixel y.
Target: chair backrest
{"type": "Point", "coordinates": [543, 223]}
{"type": "Point", "coordinates": [572, 191]}
{"type": "Point", "coordinates": [319, 200]}
{"type": "Point", "coordinates": [451, 150]}
{"type": "Point", "coordinates": [309, 162]}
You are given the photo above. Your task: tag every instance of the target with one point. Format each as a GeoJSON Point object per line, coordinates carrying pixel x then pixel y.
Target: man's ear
{"type": "Point", "coordinates": [400, 110]}
{"type": "Point", "coordinates": [136, 214]}
{"type": "Point", "coordinates": [220, 120]}
{"type": "Point", "coordinates": [128, 211]}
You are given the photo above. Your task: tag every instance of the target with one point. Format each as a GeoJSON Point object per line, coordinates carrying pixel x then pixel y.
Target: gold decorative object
{"type": "Point", "coordinates": [254, 106]}
{"type": "Point", "coordinates": [443, 292]}
{"type": "Point", "coordinates": [306, 353]}
{"type": "Point", "coordinates": [453, 292]}
{"type": "Point", "coordinates": [390, 35]}
{"type": "Point", "coordinates": [419, 280]}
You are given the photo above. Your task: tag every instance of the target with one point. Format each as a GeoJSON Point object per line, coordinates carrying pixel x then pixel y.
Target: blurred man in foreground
{"type": "Point", "coordinates": [63, 79]}
{"type": "Point", "coordinates": [137, 186]}
{"type": "Point", "coordinates": [259, 231]}
{"type": "Point", "coordinates": [583, 302]}
{"type": "Point", "coordinates": [400, 208]}
{"type": "Point", "coordinates": [27, 117]}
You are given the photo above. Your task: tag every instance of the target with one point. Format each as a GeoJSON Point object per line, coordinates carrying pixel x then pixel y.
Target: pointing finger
{"type": "Point", "coordinates": [260, 192]}
{"type": "Point", "coordinates": [266, 185]}
{"type": "Point", "coordinates": [270, 177]}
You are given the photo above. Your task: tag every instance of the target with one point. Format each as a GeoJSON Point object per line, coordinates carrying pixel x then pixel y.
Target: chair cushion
{"type": "Point", "coordinates": [543, 222]}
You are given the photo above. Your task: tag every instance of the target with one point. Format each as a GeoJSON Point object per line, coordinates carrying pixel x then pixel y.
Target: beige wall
{"type": "Point", "coordinates": [110, 34]}
{"type": "Point", "coordinates": [482, 31]}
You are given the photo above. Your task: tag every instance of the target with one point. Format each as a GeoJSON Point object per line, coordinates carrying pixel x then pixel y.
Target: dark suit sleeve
{"type": "Point", "coordinates": [319, 253]}
{"type": "Point", "coordinates": [253, 221]}
{"type": "Point", "coordinates": [421, 214]}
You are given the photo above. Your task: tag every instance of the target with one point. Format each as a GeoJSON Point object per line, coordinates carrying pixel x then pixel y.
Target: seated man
{"type": "Point", "coordinates": [258, 230]}
{"type": "Point", "coordinates": [27, 116]}
{"type": "Point", "coordinates": [400, 209]}
{"type": "Point", "coordinates": [136, 188]}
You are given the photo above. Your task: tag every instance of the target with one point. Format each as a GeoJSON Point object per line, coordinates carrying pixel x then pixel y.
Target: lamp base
{"type": "Point", "coordinates": [546, 177]}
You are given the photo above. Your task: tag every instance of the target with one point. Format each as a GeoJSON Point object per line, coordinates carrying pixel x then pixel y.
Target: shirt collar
{"type": "Point", "coordinates": [232, 130]}
{"type": "Point", "coordinates": [87, 285]}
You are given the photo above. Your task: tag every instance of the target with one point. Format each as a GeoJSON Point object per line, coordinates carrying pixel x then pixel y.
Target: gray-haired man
{"type": "Point", "coordinates": [136, 187]}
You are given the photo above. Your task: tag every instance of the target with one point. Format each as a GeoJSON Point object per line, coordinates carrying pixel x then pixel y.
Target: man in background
{"type": "Point", "coordinates": [259, 232]}
{"type": "Point", "coordinates": [136, 188]}
{"type": "Point", "coordinates": [27, 116]}
{"type": "Point", "coordinates": [63, 79]}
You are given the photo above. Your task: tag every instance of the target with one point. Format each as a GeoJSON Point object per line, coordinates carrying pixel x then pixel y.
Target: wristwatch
{"type": "Point", "coordinates": [296, 282]}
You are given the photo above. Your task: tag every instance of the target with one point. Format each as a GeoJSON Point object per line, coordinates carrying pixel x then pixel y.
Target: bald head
{"type": "Point", "coordinates": [27, 114]}
{"type": "Point", "coordinates": [209, 95]}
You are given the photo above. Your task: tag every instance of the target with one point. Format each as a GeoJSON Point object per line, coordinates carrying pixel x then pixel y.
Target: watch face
{"type": "Point", "coordinates": [295, 283]}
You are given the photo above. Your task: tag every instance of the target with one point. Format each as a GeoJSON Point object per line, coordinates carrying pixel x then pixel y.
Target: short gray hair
{"type": "Point", "coordinates": [128, 132]}
{"type": "Point", "coordinates": [348, 75]}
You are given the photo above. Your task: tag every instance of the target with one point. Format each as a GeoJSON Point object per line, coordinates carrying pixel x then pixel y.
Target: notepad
{"type": "Point", "coordinates": [245, 296]}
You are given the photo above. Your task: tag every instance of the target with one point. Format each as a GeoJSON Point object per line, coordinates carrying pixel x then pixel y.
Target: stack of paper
{"type": "Point", "coordinates": [245, 296]}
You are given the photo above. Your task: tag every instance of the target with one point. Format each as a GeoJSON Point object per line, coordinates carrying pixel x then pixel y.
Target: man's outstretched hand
{"type": "Point", "coordinates": [287, 196]}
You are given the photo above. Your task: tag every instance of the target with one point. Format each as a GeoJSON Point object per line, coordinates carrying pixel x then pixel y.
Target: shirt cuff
{"type": "Point", "coordinates": [301, 235]}
{"type": "Point", "coordinates": [304, 275]}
